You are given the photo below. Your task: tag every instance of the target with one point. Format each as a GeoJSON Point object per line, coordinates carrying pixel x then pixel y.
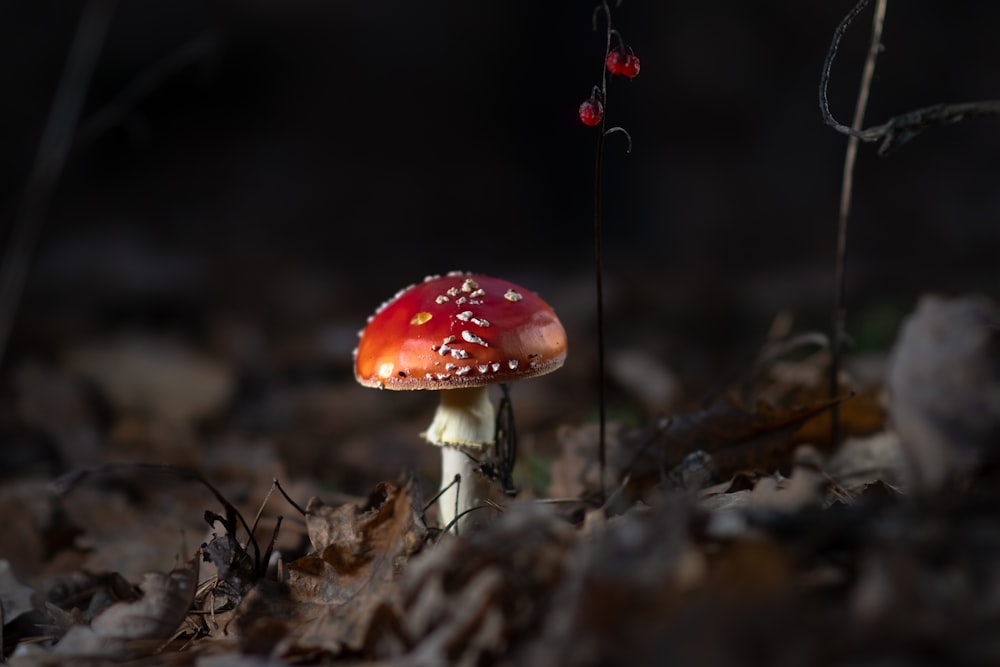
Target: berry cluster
{"type": "Point", "coordinates": [622, 64]}
{"type": "Point", "coordinates": [620, 61]}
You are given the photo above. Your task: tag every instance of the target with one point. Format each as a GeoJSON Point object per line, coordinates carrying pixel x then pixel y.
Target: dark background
{"type": "Point", "coordinates": [325, 154]}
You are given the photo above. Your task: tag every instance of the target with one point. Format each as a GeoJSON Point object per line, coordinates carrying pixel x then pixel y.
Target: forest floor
{"type": "Point", "coordinates": [732, 530]}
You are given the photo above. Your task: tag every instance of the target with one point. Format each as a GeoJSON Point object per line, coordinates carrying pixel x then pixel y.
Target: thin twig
{"type": "Point", "coordinates": [288, 499]}
{"type": "Point", "coordinates": [846, 191]}
{"type": "Point", "coordinates": [599, 260]}
{"type": "Point", "coordinates": [50, 159]}
{"type": "Point", "coordinates": [900, 129]}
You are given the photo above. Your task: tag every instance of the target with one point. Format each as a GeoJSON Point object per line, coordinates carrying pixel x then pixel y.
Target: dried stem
{"type": "Point", "coordinates": [902, 128]}
{"type": "Point", "coordinates": [599, 260]}
{"type": "Point", "coordinates": [846, 191]}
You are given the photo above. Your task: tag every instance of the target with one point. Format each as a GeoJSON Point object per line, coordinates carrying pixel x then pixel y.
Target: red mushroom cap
{"type": "Point", "coordinates": [458, 331]}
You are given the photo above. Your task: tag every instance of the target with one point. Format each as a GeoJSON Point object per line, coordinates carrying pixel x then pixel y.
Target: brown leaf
{"type": "Point", "coordinates": [335, 592]}
{"type": "Point", "coordinates": [944, 383]}
{"type": "Point", "coordinates": [465, 600]}
{"type": "Point", "coordinates": [735, 437]}
{"type": "Point", "coordinates": [126, 626]}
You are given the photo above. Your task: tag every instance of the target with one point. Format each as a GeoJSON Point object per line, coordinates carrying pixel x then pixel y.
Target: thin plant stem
{"type": "Point", "coordinates": [599, 265]}
{"type": "Point", "coordinates": [599, 284]}
{"type": "Point", "coordinates": [846, 192]}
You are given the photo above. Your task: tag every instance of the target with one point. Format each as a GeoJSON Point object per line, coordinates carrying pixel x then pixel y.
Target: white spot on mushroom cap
{"type": "Point", "coordinates": [465, 315]}
{"type": "Point", "coordinates": [477, 293]}
{"type": "Point", "coordinates": [442, 298]}
{"type": "Point", "coordinates": [470, 337]}
{"type": "Point", "coordinates": [450, 367]}
{"type": "Point", "coordinates": [385, 370]}
{"type": "Point", "coordinates": [480, 322]}
{"type": "Point", "coordinates": [459, 354]}
{"type": "Point", "coordinates": [464, 370]}
{"type": "Point", "coordinates": [469, 285]}
{"type": "Point", "coordinates": [511, 295]}
{"type": "Point", "coordinates": [495, 366]}
{"type": "Point", "coordinates": [512, 364]}
{"type": "Point", "coordinates": [482, 368]}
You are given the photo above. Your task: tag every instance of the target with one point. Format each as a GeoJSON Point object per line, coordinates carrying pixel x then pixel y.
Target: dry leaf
{"type": "Point", "coordinates": [944, 383]}
{"type": "Point", "coordinates": [334, 593]}
{"type": "Point", "coordinates": [802, 489]}
{"type": "Point", "coordinates": [125, 627]}
{"type": "Point", "coordinates": [734, 437]}
{"type": "Point", "coordinates": [465, 600]}
{"type": "Point", "coordinates": [15, 597]}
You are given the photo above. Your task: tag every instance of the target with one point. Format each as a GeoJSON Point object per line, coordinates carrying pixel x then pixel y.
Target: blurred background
{"type": "Point", "coordinates": [286, 166]}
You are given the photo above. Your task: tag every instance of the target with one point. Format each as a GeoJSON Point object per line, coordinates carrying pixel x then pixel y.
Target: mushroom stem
{"type": "Point", "coordinates": [463, 425]}
{"type": "Point", "coordinates": [468, 492]}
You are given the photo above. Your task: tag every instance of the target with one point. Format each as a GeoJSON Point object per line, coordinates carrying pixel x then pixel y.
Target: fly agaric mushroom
{"type": "Point", "coordinates": [458, 334]}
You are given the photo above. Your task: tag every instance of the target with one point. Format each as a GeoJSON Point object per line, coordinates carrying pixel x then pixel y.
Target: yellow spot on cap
{"type": "Point", "coordinates": [385, 370]}
{"type": "Point", "coordinates": [421, 317]}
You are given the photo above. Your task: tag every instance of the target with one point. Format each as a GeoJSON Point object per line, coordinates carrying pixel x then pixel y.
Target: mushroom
{"type": "Point", "coordinates": [459, 334]}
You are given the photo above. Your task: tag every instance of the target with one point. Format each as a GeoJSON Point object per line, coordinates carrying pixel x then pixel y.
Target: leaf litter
{"type": "Point", "coordinates": [736, 532]}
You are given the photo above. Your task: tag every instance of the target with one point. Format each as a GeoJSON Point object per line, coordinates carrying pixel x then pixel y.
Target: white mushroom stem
{"type": "Point", "coordinates": [463, 425]}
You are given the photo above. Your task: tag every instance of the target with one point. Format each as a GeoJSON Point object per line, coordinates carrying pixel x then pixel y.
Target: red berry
{"type": "Point", "coordinates": [631, 67]}
{"type": "Point", "coordinates": [591, 112]}
{"type": "Point", "coordinates": [615, 61]}
{"type": "Point", "coordinates": [623, 64]}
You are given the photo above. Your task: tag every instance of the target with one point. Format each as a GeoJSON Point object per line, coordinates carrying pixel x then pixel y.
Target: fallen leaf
{"type": "Point", "coordinates": [127, 627]}
{"type": "Point", "coordinates": [734, 437]}
{"type": "Point", "coordinates": [332, 595]}
{"type": "Point", "coordinates": [944, 386]}
{"type": "Point", "coordinates": [465, 600]}
{"type": "Point", "coordinates": [15, 597]}
{"type": "Point", "coordinates": [802, 489]}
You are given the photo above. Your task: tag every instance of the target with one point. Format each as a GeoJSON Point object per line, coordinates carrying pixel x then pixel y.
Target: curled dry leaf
{"type": "Point", "coordinates": [125, 627]}
{"type": "Point", "coordinates": [944, 383]}
{"type": "Point", "coordinates": [333, 594]}
{"type": "Point", "coordinates": [733, 436]}
{"type": "Point", "coordinates": [618, 589]}
{"type": "Point", "coordinates": [464, 601]}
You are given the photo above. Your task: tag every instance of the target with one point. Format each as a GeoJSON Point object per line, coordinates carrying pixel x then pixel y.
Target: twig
{"type": "Point", "coordinates": [50, 159]}
{"type": "Point", "coordinates": [288, 499]}
{"type": "Point", "coordinates": [599, 260]}
{"type": "Point", "coordinates": [846, 191]}
{"type": "Point", "coordinates": [900, 129]}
